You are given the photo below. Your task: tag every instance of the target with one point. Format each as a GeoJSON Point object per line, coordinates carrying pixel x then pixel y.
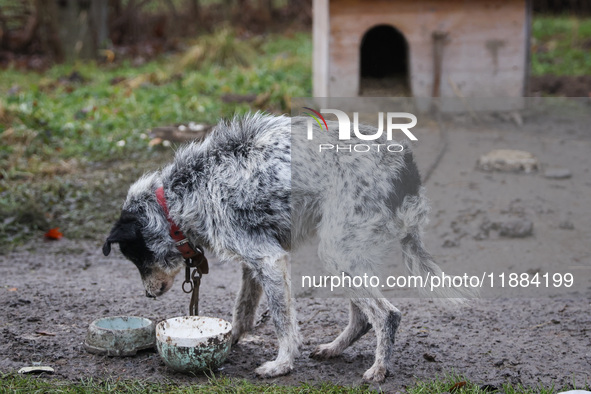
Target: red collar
{"type": "Point", "coordinates": [181, 241]}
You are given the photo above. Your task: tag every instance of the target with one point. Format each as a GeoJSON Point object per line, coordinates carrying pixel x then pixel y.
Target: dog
{"type": "Point", "coordinates": [243, 195]}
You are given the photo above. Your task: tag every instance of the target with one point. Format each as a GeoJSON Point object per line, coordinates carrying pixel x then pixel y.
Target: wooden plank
{"type": "Point", "coordinates": [320, 29]}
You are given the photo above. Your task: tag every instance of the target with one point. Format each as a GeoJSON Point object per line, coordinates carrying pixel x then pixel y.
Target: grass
{"type": "Point", "coordinates": [11, 383]}
{"type": "Point", "coordinates": [457, 384]}
{"type": "Point", "coordinates": [91, 113]}
{"type": "Point", "coordinates": [451, 383]}
{"type": "Point", "coordinates": [65, 133]}
{"type": "Point", "coordinates": [561, 45]}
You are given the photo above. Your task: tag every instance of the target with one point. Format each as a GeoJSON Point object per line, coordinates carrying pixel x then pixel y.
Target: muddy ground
{"type": "Point", "coordinates": [51, 291]}
{"type": "Point", "coordinates": [561, 85]}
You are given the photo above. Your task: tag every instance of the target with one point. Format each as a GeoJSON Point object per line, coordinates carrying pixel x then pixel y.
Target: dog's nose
{"type": "Point", "coordinates": [149, 295]}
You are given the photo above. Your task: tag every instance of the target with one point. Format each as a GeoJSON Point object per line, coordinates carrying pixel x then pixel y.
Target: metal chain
{"type": "Point", "coordinates": [194, 304]}
{"type": "Point", "coordinates": [188, 280]}
{"type": "Point", "coordinates": [194, 281]}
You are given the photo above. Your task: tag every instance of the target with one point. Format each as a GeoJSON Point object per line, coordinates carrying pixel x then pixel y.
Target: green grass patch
{"type": "Point", "coordinates": [12, 383]}
{"type": "Point", "coordinates": [456, 384]}
{"type": "Point", "coordinates": [450, 383]}
{"type": "Point", "coordinates": [561, 45]}
{"type": "Point", "coordinates": [91, 113]}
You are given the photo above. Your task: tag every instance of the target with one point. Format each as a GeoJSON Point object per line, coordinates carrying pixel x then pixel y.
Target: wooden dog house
{"type": "Point", "coordinates": [421, 48]}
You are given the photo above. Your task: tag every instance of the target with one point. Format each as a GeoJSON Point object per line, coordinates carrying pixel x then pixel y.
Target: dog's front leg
{"type": "Point", "coordinates": [273, 275]}
{"type": "Point", "coordinates": [246, 305]}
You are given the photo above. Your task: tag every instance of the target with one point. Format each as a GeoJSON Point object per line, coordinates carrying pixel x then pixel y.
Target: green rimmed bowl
{"type": "Point", "coordinates": [192, 344]}
{"type": "Point", "coordinates": [120, 335]}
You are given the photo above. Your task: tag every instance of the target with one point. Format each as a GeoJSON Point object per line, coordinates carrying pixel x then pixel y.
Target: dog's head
{"type": "Point", "coordinates": [143, 237]}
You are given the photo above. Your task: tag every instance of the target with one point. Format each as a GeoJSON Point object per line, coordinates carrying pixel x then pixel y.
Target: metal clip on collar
{"type": "Point", "coordinates": [200, 264]}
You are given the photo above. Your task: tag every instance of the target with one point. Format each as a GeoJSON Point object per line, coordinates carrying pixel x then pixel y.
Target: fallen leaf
{"type": "Point", "coordinates": [155, 141]}
{"type": "Point", "coordinates": [456, 387]}
{"type": "Point", "coordinates": [108, 54]}
{"type": "Point", "coordinates": [54, 234]}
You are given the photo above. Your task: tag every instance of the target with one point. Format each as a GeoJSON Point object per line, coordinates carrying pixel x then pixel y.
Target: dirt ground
{"type": "Point", "coordinates": [51, 291]}
{"type": "Point", "coordinates": [561, 85]}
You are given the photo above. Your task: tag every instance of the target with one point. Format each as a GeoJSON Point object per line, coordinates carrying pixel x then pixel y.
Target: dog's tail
{"type": "Point", "coordinates": [411, 216]}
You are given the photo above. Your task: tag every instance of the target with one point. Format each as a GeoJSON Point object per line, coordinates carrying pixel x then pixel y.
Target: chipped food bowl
{"type": "Point", "coordinates": [191, 344]}
{"type": "Point", "coordinates": [120, 335]}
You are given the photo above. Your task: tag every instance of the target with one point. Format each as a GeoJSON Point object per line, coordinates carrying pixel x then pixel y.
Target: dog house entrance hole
{"type": "Point", "coordinates": [384, 63]}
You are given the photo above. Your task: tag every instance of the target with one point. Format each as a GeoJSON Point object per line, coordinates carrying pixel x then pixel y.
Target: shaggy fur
{"type": "Point", "coordinates": [241, 194]}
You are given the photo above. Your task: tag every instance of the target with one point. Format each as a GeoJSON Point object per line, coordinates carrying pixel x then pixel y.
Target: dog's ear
{"type": "Point", "coordinates": [125, 230]}
{"type": "Point", "coordinates": [107, 247]}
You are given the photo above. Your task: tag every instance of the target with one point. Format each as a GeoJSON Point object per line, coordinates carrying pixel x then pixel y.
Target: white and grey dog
{"type": "Point", "coordinates": [241, 194]}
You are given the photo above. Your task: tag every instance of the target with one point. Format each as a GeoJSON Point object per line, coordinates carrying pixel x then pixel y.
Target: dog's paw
{"type": "Point", "coordinates": [236, 337]}
{"type": "Point", "coordinates": [271, 369]}
{"type": "Point", "coordinates": [377, 374]}
{"type": "Point", "coordinates": [240, 330]}
{"type": "Point", "coordinates": [324, 352]}
{"type": "Point", "coordinates": [250, 338]}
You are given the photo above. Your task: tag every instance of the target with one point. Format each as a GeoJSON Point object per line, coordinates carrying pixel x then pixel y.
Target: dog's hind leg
{"type": "Point", "coordinates": [246, 305]}
{"type": "Point", "coordinates": [374, 312]}
{"type": "Point", "coordinates": [357, 327]}
{"type": "Point", "coordinates": [352, 245]}
{"type": "Point", "coordinates": [274, 278]}
{"type": "Point", "coordinates": [385, 319]}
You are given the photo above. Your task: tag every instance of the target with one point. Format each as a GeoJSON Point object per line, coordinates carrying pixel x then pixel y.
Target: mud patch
{"type": "Point", "coordinates": [561, 85]}
{"type": "Point", "coordinates": [525, 341]}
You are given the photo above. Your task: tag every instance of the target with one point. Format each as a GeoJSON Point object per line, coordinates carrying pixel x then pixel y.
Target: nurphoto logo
{"type": "Point", "coordinates": [344, 130]}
